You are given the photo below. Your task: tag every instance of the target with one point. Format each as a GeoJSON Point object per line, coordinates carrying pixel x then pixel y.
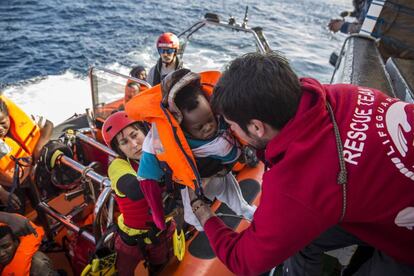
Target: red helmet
{"type": "Point", "coordinates": [168, 40]}
{"type": "Point", "coordinates": [114, 124]}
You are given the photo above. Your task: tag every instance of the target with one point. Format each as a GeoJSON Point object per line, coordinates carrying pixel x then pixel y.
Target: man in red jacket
{"type": "Point", "coordinates": [340, 171]}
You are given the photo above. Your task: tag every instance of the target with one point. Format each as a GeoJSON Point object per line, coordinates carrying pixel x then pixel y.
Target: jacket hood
{"type": "Point", "coordinates": [146, 105]}
{"type": "Point", "coordinates": [305, 124]}
{"type": "Point", "coordinates": [172, 84]}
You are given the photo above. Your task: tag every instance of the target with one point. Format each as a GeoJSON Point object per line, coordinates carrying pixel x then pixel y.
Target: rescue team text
{"type": "Point", "coordinates": [354, 143]}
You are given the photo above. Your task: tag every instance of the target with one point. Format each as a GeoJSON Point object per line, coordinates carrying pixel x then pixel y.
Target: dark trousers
{"type": "Point", "coordinates": [308, 261]}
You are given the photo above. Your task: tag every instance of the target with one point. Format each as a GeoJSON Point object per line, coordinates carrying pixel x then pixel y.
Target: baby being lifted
{"type": "Point", "coordinates": [211, 142]}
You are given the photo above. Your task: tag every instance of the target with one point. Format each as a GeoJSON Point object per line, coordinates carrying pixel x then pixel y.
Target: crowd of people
{"type": "Point", "coordinates": [21, 141]}
{"type": "Point", "coordinates": [338, 167]}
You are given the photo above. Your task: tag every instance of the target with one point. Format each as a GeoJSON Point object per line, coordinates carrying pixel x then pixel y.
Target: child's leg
{"type": "Point", "coordinates": [189, 216]}
{"type": "Point", "coordinates": [227, 190]}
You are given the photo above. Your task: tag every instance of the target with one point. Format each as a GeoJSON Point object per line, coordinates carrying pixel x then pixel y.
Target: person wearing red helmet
{"type": "Point", "coordinates": [167, 46]}
{"type": "Point", "coordinates": [143, 233]}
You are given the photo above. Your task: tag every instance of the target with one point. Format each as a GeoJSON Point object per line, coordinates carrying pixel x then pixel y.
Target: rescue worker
{"type": "Point", "coordinates": [167, 46]}
{"type": "Point", "coordinates": [340, 171]}
{"type": "Point", "coordinates": [359, 12]}
{"type": "Point", "coordinates": [141, 236]}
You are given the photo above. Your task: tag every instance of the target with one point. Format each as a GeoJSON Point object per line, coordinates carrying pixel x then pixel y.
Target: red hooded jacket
{"type": "Point", "coordinates": [301, 197]}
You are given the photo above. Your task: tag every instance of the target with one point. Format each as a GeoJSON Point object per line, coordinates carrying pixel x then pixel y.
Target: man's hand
{"type": "Point", "coordinates": [20, 225]}
{"type": "Point", "coordinates": [191, 194]}
{"type": "Point", "coordinates": [201, 210]}
{"type": "Point", "coordinates": [14, 200]}
{"type": "Point", "coordinates": [335, 25]}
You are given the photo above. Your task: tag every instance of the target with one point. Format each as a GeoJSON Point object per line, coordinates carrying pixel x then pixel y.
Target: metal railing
{"type": "Point", "coordinates": [214, 20]}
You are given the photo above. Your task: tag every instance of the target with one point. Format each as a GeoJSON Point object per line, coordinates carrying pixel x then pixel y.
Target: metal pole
{"type": "Point", "coordinates": [87, 171]}
{"type": "Point", "coordinates": [95, 144]}
{"type": "Point", "coordinates": [103, 196]}
{"type": "Point", "coordinates": [100, 203]}
{"type": "Point", "coordinates": [65, 221]}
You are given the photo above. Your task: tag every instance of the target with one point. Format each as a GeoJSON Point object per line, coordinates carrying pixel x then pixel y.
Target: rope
{"type": "Point", "coordinates": [343, 174]}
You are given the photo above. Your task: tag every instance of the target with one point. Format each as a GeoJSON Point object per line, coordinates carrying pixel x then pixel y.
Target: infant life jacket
{"type": "Point", "coordinates": [156, 107]}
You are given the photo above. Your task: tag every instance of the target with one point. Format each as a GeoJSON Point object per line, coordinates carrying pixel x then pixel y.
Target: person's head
{"type": "Point", "coordinates": [167, 46]}
{"type": "Point", "coordinates": [198, 119]}
{"type": "Point", "coordinates": [8, 244]}
{"type": "Point", "coordinates": [124, 135]}
{"type": "Point", "coordinates": [257, 95]}
{"type": "Point", "coordinates": [132, 89]}
{"type": "Point", "coordinates": [139, 72]}
{"type": "Point", "coordinates": [4, 119]}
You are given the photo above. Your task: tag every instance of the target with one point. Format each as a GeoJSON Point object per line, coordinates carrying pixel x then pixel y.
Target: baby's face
{"type": "Point", "coordinates": [4, 124]}
{"type": "Point", "coordinates": [200, 122]}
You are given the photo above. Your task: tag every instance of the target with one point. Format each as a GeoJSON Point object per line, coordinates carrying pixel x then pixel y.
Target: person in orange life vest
{"type": "Point", "coordinates": [340, 171]}
{"type": "Point", "coordinates": [138, 237]}
{"type": "Point", "coordinates": [214, 147]}
{"type": "Point", "coordinates": [167, 46]}
{"type": "Point", "coordinates": [6, 179]}
{"type": "Point", "coordinates": [131, 90]}
{"type": "Point", "coordinates": [21, 256]}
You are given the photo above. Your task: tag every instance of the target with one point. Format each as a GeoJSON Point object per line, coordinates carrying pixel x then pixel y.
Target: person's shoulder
{"type": "Point", "coordinates": [117, 165]}
{"type": "Point", "coordinates": [117, 161]}
{"type": "Point", "coordinates": [150, 76]}
{"type": "Point", "coordinates": [151, 70]}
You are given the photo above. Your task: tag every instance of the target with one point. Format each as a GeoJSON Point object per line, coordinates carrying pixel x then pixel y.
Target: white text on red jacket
{"type": "Point", "coordinates": [354, 143]}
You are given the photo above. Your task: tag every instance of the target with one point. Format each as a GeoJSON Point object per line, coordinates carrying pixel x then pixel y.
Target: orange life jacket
{"type": "Point", "coordinates": [176, 152]}
{"type": "Point", "coordinates": [22, 137]}
{"type": "Point", "coordinates": [22, 261]}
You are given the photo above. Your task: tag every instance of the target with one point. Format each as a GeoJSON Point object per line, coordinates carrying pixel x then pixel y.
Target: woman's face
{"type": "Point", "coordinates": [130, 142]}
{"type": "Point", "coordinates": [4, 124]}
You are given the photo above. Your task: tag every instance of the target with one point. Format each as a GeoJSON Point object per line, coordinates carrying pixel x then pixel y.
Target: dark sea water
{"type": "Point", "coordinates": [46, 47]}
